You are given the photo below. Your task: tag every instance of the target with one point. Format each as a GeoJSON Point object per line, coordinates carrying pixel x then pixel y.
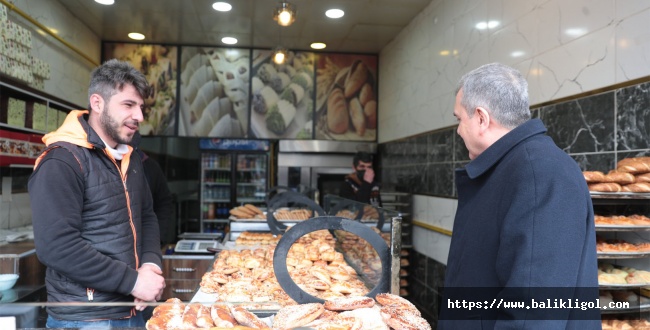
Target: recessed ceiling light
{"type": "Point", "coordinates": [229, 40]}
{"type": "Point", "coordinates": [444, 53]}
{"type": "Point", "coordinates": [221, 6]}
{"type": "Point", "coordinates": [334, 13]}
{"type": "Point", "coordinates": [517, 53]}
{"type": "Point", "coordinates": [136, 36]}
{"type": "Point", "coordinates": [575, 32]}
{"type": "Point", "coordinates": [318, 45]}
{"type": "Point", "coordinates": [105, 2]}
{"type": "Point", "coordinates": [487, 25]}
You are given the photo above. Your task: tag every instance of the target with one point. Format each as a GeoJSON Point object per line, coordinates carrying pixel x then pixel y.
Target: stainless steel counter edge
{"type": "Point", "coordinates": [188, 256]}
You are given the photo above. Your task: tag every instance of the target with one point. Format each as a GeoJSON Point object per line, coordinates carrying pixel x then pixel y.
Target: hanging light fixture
{"type": "Point", "coordinates": [285, 14]}
{"type": "Point", "coordinates": [280, 55]}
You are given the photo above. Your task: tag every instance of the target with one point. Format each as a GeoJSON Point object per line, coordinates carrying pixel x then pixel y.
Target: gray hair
{"type": "Point", "coordinates": [112, 76]}
{"type": "Point", "coordinates": [500, 89]}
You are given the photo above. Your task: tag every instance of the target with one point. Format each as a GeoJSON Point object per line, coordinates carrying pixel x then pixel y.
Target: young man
{"type": "Point", "coordinates": [94, 224]}
{"type": "Point", "coordinates": [360, 185]}
{"type": "Point", "coordinates": [524, 227]}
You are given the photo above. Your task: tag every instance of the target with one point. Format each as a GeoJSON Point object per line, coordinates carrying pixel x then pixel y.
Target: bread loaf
{"type": "Point", "coordinates": [594, 176]}
{"type": "Point", "coordinates": [357, 76]}
{"type": "Point", "coordinates": [357, 117]}
{"type": "Point", "coordinates": [640, 187]}
{"type": "Point", "coordinates": [605, 187]}
{"type": "Point", "coordinates": [366, 94]}
{"type": "Point", "coordinates": [619, 177]}
{"type": "Point", "coordinates": [370, 110]}
{"type": "Point", "coordinates": [337, 112]}
{"type": "Point", "coordinates": [635, 165]}
{"type": "Point", "coordinates": [645, 177]}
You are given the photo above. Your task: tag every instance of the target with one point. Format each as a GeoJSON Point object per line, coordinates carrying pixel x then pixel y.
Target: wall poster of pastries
{"type": "Point", "coordinates": [214, 92]}
{"type": "Point", "coordinates": [282, 96]}
{"type": "Point", "coordinates": [346, 102]}
{"type": "Point", "coordinates": [158, 63]}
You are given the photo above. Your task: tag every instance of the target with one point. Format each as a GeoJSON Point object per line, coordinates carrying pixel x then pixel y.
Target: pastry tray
{"type": "Point", "coordinates": [619, 195]}
{"type": "Point", "coordinates": [622, 228]}
{"type": "Point", "coordinates": [622, 255]}
{"type": "Point", "coordinates": [621, 286]}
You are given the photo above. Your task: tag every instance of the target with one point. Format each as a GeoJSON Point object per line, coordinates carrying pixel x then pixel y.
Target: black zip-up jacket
{"type": "Point", "coordinates": [93, 221]}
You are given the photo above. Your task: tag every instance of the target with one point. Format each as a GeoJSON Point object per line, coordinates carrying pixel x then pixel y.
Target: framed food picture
{"type": "Point", "coordinates": [214, 92]}
{"type": "Point", "coordinates": [282, 99]}
{"type": "Point", "coordinates": [346, 101]}
{"type": "Point", "coordinates": [158, 63]}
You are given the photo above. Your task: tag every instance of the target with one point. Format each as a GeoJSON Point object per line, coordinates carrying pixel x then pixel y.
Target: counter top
{"type": "Point", "coordinates": [22, 249]}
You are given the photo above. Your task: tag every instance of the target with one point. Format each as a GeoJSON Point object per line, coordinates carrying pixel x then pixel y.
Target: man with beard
{"type": "Point", "coordinates": [94, 224]}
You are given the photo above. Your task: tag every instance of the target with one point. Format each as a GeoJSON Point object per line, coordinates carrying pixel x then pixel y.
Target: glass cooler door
{"type": "Point", "coordinates": [251, 176]}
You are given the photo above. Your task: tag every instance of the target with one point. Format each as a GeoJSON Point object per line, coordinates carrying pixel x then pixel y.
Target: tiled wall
{"type": "Point", "coordinates": [596, 130]}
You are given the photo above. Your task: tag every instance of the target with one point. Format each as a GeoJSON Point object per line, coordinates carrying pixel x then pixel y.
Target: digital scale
{"type": "Point", "coordinates": [195, 246]}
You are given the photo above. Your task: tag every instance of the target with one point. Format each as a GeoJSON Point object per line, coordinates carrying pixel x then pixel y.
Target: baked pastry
{"type": "Point", "coordinates": [605, 187]}
{"type": "Point", "coordinates": [357, 116]}
{"type": "Point", "coordinates": [294, 316]}
{"type": "Point", "coordinates": [221, 316]}
{"type": "Point", "coordinates": [635, 165]}
{"type": "Point", "coordinates": [349, 303]}
{"type": "Point", "coordinates": [605, 278]}
{"type": "Point", "coordinates": [388, 299]}
{"type": "Point", "coordinates": [244, 317]}
{"type": "Point", "coordinates": [619, 177]}
{"type": "Point", "coordinates": [357, 77]}
{"type": "Point", "coordinates": [337, 112]}
{"type": "Point", "coordinates": [639, 187]}
{"type": "Point", "coordinates": [400, 318]}
{"type": "Point", "coordinates": [593, 176]}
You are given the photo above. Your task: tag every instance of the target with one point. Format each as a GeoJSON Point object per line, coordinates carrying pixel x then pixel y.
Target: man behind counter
{"type": "Point", "coordinates": [360, 185]}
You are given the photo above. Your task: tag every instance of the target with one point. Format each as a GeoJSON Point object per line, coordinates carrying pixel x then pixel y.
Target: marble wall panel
{"type": "Point", "coordinates": [440, 179]}
{"type": "Point", "coordinates": [441, 146]}
{"type": "Point", "coordinates": [582, 125]}
{"type": "Point", "coordinates": [633, 117]}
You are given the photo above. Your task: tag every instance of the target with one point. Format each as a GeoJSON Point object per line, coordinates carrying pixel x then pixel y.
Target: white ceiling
{"type": "Point", "coordinates": [368, 25]}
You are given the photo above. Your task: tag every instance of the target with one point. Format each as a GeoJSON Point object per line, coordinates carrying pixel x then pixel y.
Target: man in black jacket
{"type": "Point", "coordinates": [94, 224]}
{"type": "Point", "coordinates": [360, 185]}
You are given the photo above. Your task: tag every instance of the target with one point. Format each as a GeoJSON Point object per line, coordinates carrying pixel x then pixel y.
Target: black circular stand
{"type": "Point", "coordinates": [332, 223]}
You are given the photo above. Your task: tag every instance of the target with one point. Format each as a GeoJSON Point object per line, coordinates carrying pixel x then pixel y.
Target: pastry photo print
{"type": "Point", "coordinates": [158, 64]}
{"type": "Point", "coordinates": [214, 92]}
{"type": "Point", "coordinates": [346, 102]}
{"type": "Point", "coordinates": [282, 99]}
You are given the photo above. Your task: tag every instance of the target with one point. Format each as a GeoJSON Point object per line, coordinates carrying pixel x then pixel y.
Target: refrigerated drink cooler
{"type": "Point", "coordinates": [233, 173]}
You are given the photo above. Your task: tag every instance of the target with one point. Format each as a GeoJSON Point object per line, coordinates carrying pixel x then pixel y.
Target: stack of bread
{"type": "Point", "coordinates": [292, 215]}
{"type": "Point", "coordinates": [630, 175]}
{"type": "Point", "coordinates": [385, 312]}
{"type": "Point", "coordinates": [619, 245]}
{"type": "Point", "coordinates": [247, 211]}
{"type": "Point", "coordinates": [610, 275]}
{"type": "Point", "coordinates": [361, 254]}
{"type": "Point", "coordinates": [621, 220]}
{"type": "Point", "coordinates": [250, 238]}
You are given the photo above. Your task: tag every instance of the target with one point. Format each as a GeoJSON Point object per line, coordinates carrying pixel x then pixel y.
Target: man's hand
{"type": "Point", "coordinates": [150, 284]}
{"type": "Point", "coordinates": [369, 175]}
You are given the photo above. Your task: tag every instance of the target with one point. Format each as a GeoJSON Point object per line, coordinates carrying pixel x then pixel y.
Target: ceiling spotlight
{"type": "Point", "coordinates": [279, 55]}
{"type": "Point", "coordinates": [136, 36]}
{"type": "Point", "coordinates": [334, 13]}
{"type": "Point", "coordinates": [285, 14]}
{"type": "Point", "coordinates": [221, 6]}
{"type": "Point", "coordinates": [229, 40]}
{"type": "Point", "coordinates": [105, 2]}
{"type": "Point", "coordinates": [318, 45]}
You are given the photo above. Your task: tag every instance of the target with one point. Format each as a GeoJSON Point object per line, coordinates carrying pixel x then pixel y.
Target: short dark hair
{"type": "Point", "coordinates": [361, 157]}
{"type": "Point", "coordinates": [111, 77]}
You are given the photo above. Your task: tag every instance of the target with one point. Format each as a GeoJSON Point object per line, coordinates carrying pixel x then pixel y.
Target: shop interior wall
{"type": "Point", "coordinates": [564, 48]}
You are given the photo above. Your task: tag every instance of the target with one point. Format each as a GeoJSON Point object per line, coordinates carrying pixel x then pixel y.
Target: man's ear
{"type": "Point", "coordinates": [96, 103]}
{"type": "Point", "coordinates": [483, 117]}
